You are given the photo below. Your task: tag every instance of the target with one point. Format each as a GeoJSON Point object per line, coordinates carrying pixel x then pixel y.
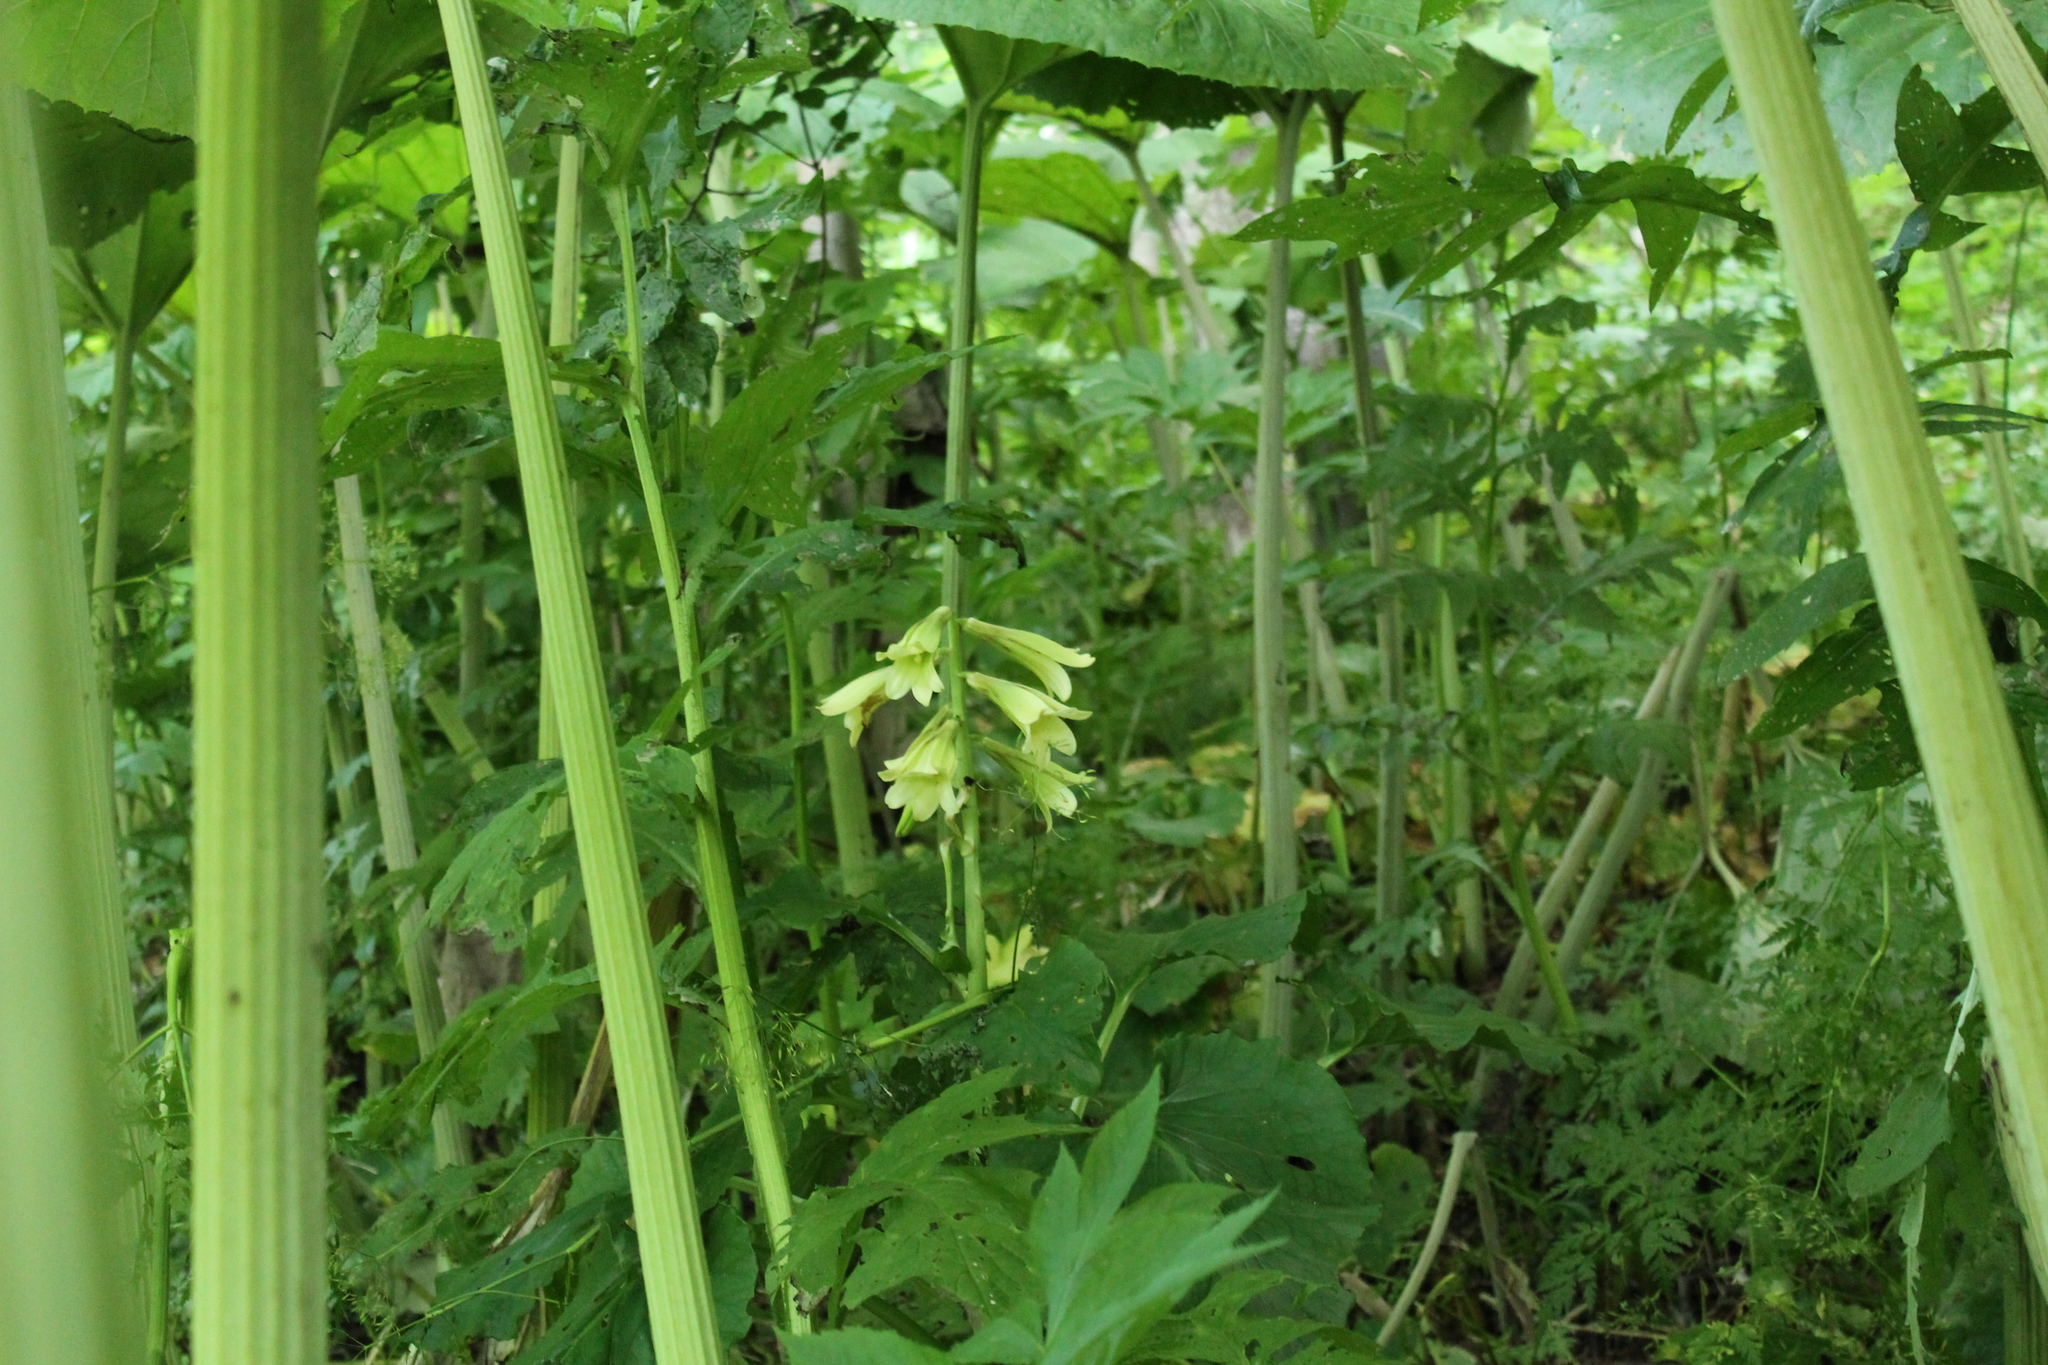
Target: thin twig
{"type": "Point", "coordinates": [1461, 1147]}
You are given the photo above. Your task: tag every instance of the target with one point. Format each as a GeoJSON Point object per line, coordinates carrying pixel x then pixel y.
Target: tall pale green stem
{"type": "Point", "coordinates": [65, 1295]}
{"type": "Point", "coordinates": [1269, 603]}
{"type": "Point", "coordinates": [551, 1084]}
{"type": "Point", "coordinates": [683, 1321]}
{"type": "Point", "coordinates": [1457, 769]}
{"type": "Point", "coordinates": [745, 1056]}
{"type": "Point", "coordinates": [394, 811]}
{"type": "Point", "coordinates": [851, 828]}
{"type": "Point", "coordinates": [259, 1181]}
{"type": "Point", "coordinates": [1983, 799]}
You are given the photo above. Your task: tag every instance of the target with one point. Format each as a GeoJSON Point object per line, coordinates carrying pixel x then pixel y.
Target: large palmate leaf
{"type": "Point", "coordinates": [1046, 1027]}
{"type": "Point", "coordinates": [1065, 188]}
{"type": "Point", "coordinates": [1239, 1113]}
{"type": "Point", "coordinates": [1259, 43]}
{"type": "Point", "coordinates": [129, 58]}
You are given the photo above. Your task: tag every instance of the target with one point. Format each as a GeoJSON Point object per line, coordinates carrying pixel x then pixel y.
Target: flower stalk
{"type": "Point", "coordinates": [683, 1321]}
{"type": "Point", "coordinates": [745, 1055]}
{"type": "Point", "coordinates": [1983, 799]}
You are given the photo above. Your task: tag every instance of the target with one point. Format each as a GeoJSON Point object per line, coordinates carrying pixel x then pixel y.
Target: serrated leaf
{"type": "Point", "coordinates": [961, 1229]}
{"type": "Point", "coordinates": [129, 58]}
{"type": "Point", "coordinates": [1065, 188]}
{"type": "Point", "coordinates": [1798, 613]}
{"type": "Point", "coordinates": [1269, 44]}
{"type": "Point", "coordinates": [1846, 664]}
{"type": "Point", "coordinates": [1238, 1113]}
{"type": "Point", "coordinates": [1045, 1028]}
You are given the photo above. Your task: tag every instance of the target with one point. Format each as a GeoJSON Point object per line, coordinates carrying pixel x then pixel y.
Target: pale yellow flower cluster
{"type": "Point", "coordinates": [929, 777]}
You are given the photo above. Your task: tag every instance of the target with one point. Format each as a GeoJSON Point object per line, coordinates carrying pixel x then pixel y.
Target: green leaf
{"type": "Point", "coordinates": [1044, 1029]}
{"type": "Point", "coordinates": [1239, 1113]}
{"type": "Point", "coordinates": [403, 375]}
{"type": "Point", "coordinates": [1667, 235]}
{"type": "Point", "coordinates": [98, 174]}
{"type": "Point", "coordinates": [141, 266]}
{"type": "Point", "coordinates": [1846, 664]}
{"type": "Point", "coordinates": [1218, 811]}
{"type": "Point", "coordinates": [616, 88]}
{"type": "Point", "coordinates": [129, 58]}
{"type": "Point", "coordinates": [1798, 613]}
{"type": "Point", "coordinates": [1448, 1031]}
{"type": "Point", "coordinates": [1065, 188]}
{"type": "Point", "coordinates": [1558, 317]}
{"type": "Point", "coordinates": [960, 1229]}
{"type": "Point", "coordinates": [372, 44]}
{"type": "Point", "coordinates": [750, 456]}
{"type": "Point", "coordinates": [1260, 43]}
{"type": "Point", "coordinates": [488, 1297]}
{"type": "Point", "coordinates": [1163, 970]}
{"type": "Point", "coordinates": [1111, 94]}
{"type": "Point", "coordinates": [1615, 749]}
{"type": "Point", "coordinates": [1914, 1124]}
{"type": "Point", "coordinates": [1324, 14]}
{"type": "Point", "coordinates": [860, 1346]}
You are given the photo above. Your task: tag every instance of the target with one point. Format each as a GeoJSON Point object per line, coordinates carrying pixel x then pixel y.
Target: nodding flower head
{"type": "Point", "coordinates": [859, 700]}
{"type": "Point", "coordinates": [1050, 787]}
{"type": "Point", "coordinates": [1049, 659]}
{"type": "Point", "coordinates": [926, 779]}
{"type": "Point", "coordinates": [1041, 719]}
{"type": "Point", "coordinates": [914, 659]}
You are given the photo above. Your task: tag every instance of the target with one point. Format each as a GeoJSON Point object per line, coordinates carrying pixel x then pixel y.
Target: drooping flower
{"type": "Point", "coordinates": [914, 659]}
{"type": "Point", "coordinates": [1049, 786]}
{"type": "Point", "coordinates": [1041, 719]}
{"type": "Point", "coordinates": [858, 701]}
{"type": "Point", "coordinates": [926, 779]}
{"type": "Point", "coordinates": [1049, 659]}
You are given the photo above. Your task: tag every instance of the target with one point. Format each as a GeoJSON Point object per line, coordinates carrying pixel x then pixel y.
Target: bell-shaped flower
{"type": "Point", "coordinates": [914, 659]}
{"type": "Point", "coordinates": [1049, 786]}
{"type": "Point", "coordinates": [859, 700]}
{"type": "Point", "coordinates": [1049, 659]}
{"type": "Point", "coordinates": [926, 779]}
{"type": "Point", "coordinates": [1040, 719]}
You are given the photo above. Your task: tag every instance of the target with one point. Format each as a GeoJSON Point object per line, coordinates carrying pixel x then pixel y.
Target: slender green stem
{"type": "Point", "coordinates": [745, 1055]}
{"type": "Point", "coordinates": [394, 810]}
{"type": "Point", "coordinates": [799, 716]}
{"type": "Point", "coordinates": [852, 830]}
{"type": "Point", "coordinates": [1983, 798]}
{"type": "Point", "coordinates": [1997, 458]}
{"type": "Point", "coordinates": [680, 1307]}
{"type": "Point", "coordinates": [259, 1175]}
{"type": "Point", "coordinates": [106, 541]}
{"type": "Point", "coordinates": [953, 569]}
{"type": "Point", "coordinates": [65, 1295]}
{"type": "Point", "coordinates": [1282, 868]}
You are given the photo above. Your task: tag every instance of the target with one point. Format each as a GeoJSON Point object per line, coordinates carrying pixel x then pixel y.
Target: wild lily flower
{"type": "Point", "coordinates": [1041, 719]}
{"type": "Point", "coordinates": [1042, 656]}
{"type": "Point", "coordinates": [926, 779]}
{"type": "Point", "coordinates": [1049, 786]}
{"type": "Point", "coordinates": [859, 700]}
{"type": "Point", "coordinates": [914, 659]}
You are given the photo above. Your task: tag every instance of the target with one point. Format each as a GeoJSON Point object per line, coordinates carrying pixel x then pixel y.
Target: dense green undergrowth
{"type": "Point", "coordinates": [1014, 951]}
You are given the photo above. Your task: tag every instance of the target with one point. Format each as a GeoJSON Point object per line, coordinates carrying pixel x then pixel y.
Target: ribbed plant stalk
{"type": "Point", "coordinates": [1997, 457]}
{"type": "Point", "coordinates": [799, 717]}
{"type": "Point", "coordinates": [65, 1291]}
{"type": "Point", "coordinates": [1466, 899]}
{"type": "Point", "coordinates": [683, 1320]}
{"type": "Point", "coordinates": [475, 631]}
{"type": "Point", "coordinates": [551, 1084]}
{"type": "Point", "coordinates": [106, 538]}
{"type": "Point", "coordinates": [753, 1084]}
{"type": "Point", "coordinates": [1281, 866]}
{"type": "Point", "coordinates": [1990, 821]}
{"type": "Point", "coordinates": [259, 1175]}
{"type": "Point", "coordinates": [394, 811]}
